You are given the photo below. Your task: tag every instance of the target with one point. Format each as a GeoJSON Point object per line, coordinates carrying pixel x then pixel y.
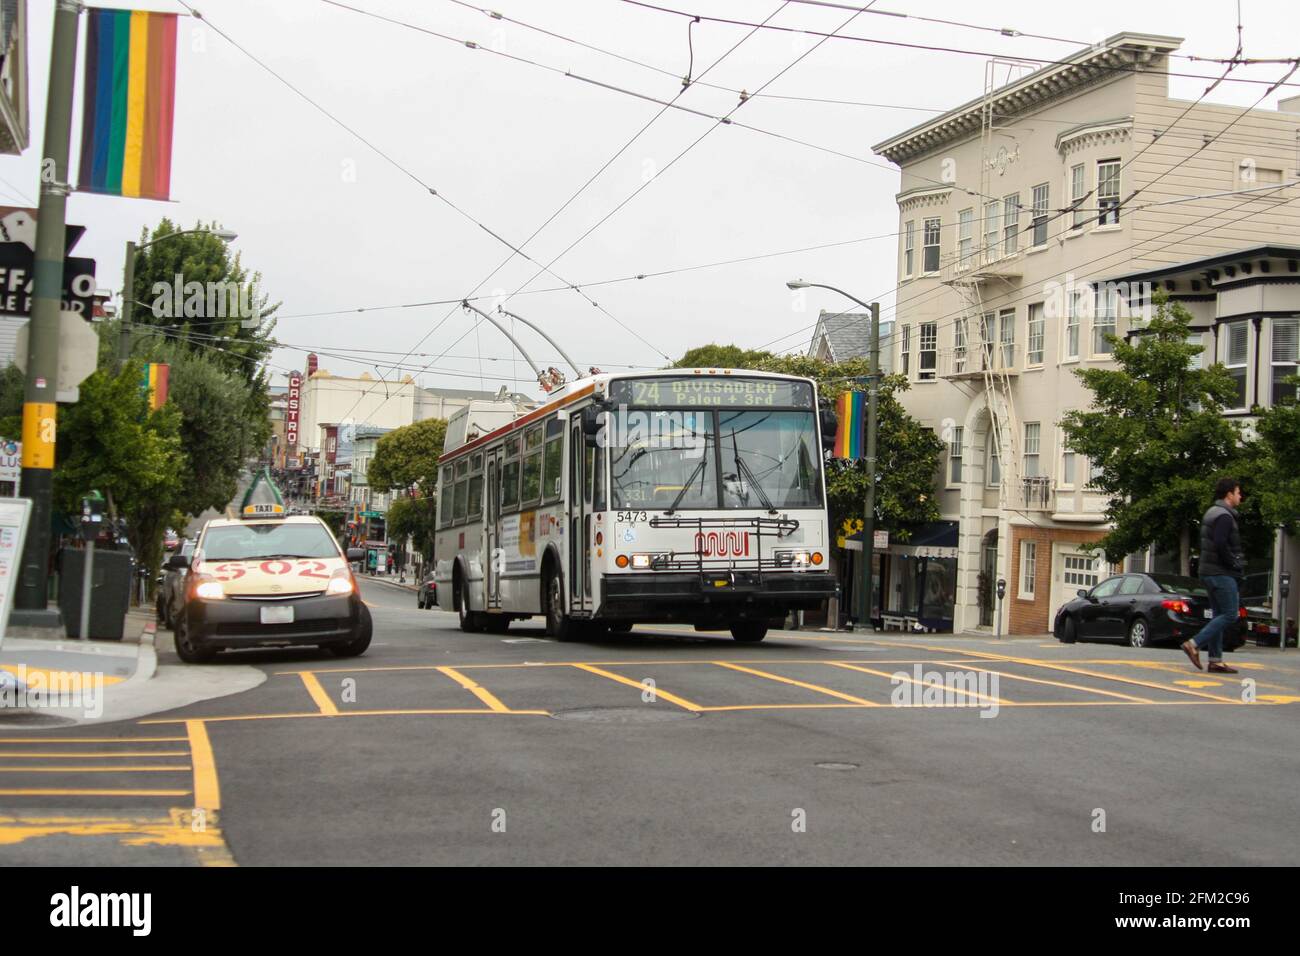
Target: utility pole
{"type": "Point", "coordinates": [40, 407]}
{"type": "Point", "coordinates": [869, 505]}
{"type": "Point", "coordinates": [128, 301]}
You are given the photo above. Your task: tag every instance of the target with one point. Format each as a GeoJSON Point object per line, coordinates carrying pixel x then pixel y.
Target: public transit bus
{"type": "Point", "coordinates": [690, 495]}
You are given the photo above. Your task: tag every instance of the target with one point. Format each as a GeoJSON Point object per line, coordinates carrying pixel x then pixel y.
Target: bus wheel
{"type": "Point", "coordinates": [749, 632]}
{"type": "Point", "coordinates": [470, 622]}
{"type": "Point", "coordinates": [558, 624]}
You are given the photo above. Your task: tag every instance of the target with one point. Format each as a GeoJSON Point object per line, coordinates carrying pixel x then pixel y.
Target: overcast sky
{"type": "Point", "coordinates": [332, 225]}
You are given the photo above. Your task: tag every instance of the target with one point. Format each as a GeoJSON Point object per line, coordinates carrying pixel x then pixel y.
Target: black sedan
{"type": "Point", "coordinates": [1141, 609]}
{"type": "Point", "coordinates": [428, 594]}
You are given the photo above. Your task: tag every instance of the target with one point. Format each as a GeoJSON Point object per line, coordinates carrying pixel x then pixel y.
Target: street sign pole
{"type": "Point", "coordinates": [869, 505]}
{"type": "Point", "coordinates": [87, 583]}
{"type": "Point", "coordinates": [40, 408]}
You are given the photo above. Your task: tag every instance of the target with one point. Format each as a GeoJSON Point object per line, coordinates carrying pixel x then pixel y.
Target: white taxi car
{"type": "Point", "coordinates": [270, 580]}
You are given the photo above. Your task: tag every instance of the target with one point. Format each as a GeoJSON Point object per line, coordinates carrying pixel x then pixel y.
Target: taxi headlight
{"type": "Point", "coordinates": [341, 583]}
{"type": "Point", "coordinates": [209, 590]}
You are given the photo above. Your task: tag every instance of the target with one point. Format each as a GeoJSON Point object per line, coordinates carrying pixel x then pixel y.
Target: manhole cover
{"type": "Point", "coordinates": [833, 765]}
{"type": "Point", "coordinates": [649, 714]}
{"type": "Point", "coordinates": [28, 719]}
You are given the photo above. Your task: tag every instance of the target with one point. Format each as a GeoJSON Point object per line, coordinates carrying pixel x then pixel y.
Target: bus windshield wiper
{"type": "Point", "coordinates": [686, 486]}
{"type": "Point", "coordinates": [744, 471]}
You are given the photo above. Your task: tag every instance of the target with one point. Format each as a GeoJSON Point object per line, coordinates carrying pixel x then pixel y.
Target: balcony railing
{"type": "Point", "coordinates": [1037, 493]}
{"type": "Point", "coordinates": [980, 262]}
{"type": "Point", "coordinates": [974, 360]}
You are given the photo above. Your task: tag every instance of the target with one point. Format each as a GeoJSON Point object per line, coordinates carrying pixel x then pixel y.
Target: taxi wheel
{"type": "Point", "coordinates": [357, 646]}
{"type": "Point", "coordinates": [749, 632]}
{"type": "Point", "coordinates": [189, 648]}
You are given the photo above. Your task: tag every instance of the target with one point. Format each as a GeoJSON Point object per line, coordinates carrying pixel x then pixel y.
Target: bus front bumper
{"type": "Point", "coordinates": [712, 596]}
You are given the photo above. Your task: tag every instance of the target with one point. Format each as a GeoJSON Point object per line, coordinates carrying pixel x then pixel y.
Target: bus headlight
{"type": "Point", "coordinates": [641, 560]}
{"type": "Point", "coordinates": [793, 559]}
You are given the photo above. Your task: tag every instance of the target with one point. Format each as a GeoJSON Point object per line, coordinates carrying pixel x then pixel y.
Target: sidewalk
{"type": "Point", "coordinates": [57, 682]}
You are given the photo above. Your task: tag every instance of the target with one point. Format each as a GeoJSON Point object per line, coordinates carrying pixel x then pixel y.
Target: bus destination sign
{"type": "Point", "coordinates": [697, 391]}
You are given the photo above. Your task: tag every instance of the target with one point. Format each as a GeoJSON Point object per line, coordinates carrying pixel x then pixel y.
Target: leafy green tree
{"type": "Point", "coordinates": [1157, 433]}
{"type": "Point", "coordinates": [907, 452]}
{"type": "Point", "coordinates": [415, 518]}
{"type": "Point", "coordinates": [215, 325]}
{"type": "Point", "coordinates": [408, 456]}
{"type": "Point", "coordinates": [110, 440]}
{"type": "Point", "coordinates": [1276, 488]}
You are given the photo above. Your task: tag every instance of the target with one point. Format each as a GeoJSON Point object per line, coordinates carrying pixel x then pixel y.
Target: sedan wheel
{"type": "Point", "coordinates": [1139, 634]}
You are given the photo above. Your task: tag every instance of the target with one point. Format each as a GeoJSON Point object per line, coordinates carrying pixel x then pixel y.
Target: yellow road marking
{"type": "Point", "coordinates": [1031, 662]}
{"type": "Point", "coordinates": [318, 695]}
{"type": "Point", "coordinates": [94, 793]}
{"type": "Point", "coordinates": [56, 678]}
{"type": "Point", "coordinates": [681, 702]}
{"type": "Point", "coordinates": [798, 683]}
{"type": "Point", "coordinates": [413, 712]}
{"type": "Point", "coordinates": [622, 663]}
{"type": "Point", "coordinates": [1064, 684]}
{"type": "Point", "coordinates": [175, 830]}
{"type": "Point", "coordinates": [482, 693]}
{"type": "Point", "coordinates": [96, 755]}
{"type": "Point", "coordinates": [92, 740]}
{"type": "Point", "coordinates": [207, 793]}
{"type": "Point", "coordinates": [986, 698]}
{"type": "Point", "coordinates": [179, 768]}
{"type": "Point", "coordinates": [1278, 698]}
{"type": "Point", "coordinates": [1199, 683]}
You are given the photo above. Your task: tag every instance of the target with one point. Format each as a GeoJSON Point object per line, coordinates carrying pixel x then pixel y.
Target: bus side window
{"type": "Point", "coordinates": [510, 475]}
{"type": "Point", "coordinates": [598, 499]}
{"type": "Point", "coordinates": [444, 504]}
{"type": "Point", "coordinates": [587, 473]}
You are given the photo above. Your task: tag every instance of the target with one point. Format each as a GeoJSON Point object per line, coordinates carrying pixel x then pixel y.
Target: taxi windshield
{"type": "Point", "coordinates": [268, 540]}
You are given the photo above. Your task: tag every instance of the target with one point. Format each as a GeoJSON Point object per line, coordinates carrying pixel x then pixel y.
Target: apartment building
{"type": "Point", "coordinates": [1033, 221]}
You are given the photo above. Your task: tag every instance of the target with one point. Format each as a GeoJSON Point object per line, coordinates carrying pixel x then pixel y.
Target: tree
{"type": "Point", "coordinates": [1157, 434]}
{"type": "Point", "coordinates": [907, 452]}
{"type": "Point", "coordinates": [408, 457]}
{"type": "Point", "coordinates": [415, 518]}
{"type": "Point", "coordinates": [109, 440]}
{"type": "Point", "coordinates": [190, 289]}
{"type": "Point", "coordinates": [1276, 487]}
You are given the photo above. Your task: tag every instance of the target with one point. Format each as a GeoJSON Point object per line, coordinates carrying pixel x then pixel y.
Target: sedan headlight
{"type": "Point", "coordinates": [341, 582]}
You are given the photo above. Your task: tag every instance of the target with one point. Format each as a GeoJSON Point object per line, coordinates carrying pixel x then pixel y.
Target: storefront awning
{"type": "Point", "coordinates": [936, 539]}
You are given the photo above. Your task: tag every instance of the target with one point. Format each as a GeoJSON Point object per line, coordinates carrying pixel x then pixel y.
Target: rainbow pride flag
{"type": "Point", "coordinates": [129, 103]}
{"type": "Point", "coordinates": [154, 382]}
{"type": "Point", "coordinates": [851, 410]}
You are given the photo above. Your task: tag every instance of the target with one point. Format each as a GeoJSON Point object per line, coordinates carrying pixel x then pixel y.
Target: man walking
{"type": "Point", "coordinates": [1222, 564]}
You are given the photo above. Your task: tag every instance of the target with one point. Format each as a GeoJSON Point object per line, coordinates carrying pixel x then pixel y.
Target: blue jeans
{"type": "Point", "coordinates": [1223, 598]}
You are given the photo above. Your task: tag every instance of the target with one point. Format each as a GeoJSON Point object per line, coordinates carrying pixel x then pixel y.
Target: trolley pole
{"type": "Point", "coordinates": [40, 405]}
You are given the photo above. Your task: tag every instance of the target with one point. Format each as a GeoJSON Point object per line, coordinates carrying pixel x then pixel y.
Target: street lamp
{"type": "Point", "coordinates": [128, 287]}
{"type": "Point", "coordinates": [873, 393]}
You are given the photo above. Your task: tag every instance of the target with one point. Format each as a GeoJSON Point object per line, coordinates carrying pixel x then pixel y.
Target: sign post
{"type": "Point", "coordinates": [92, 517]}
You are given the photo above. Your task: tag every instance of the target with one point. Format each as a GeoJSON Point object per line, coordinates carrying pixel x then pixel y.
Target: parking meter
{"type": "Point", "coordinates": [1002, 588]}
{"type": "Point", "coordinates": [92, 516]}
{"type": "Point", "coordinates": [1286, 585]}
{"type": "Point", "coordinates": [997, 611]}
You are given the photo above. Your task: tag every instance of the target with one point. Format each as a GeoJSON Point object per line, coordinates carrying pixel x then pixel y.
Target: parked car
{"type": "Point", "coordinates": [428, 594]}
{"type": "Point", "coordinates": [171, 589]}
{"type": "Point", "coordinates": [1141, 609]}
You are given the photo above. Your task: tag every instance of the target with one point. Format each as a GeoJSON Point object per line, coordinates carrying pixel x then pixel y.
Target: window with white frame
{"type": "Point", "coordinates": [965, 238]}
{"type": "Point", "coordinates": [1033, 435]}
{"type": "Point", "coordinates": [1103, 318]}
{"type": "Point", "coordinates": [909, 247]}
{"type": "Point", "coordinates": [959, 346]}
{"type": "Point", "coordinates": [1236, 347]}
{"type": "Point", "coordinates": [1080, 570]}
{"type": "Point", "coordinates": [1041, 201]}
{"type": "Point", "coordinates": [1028, 567]}
{"type": "Point", "coordinates": [928, 357]}
{"type": "Point", "coordinates": [1285, 358]}
{"type": "Point", "coordinates": [954, 455]}
{"type": "Point", "coordinates": [1034, 355]}
{"type": "Point", "coordinates": [1095, 468]}
{"type": "Point", "coordinates": [905, 350]}
{"type": "Point", "coordinates": [1077, 192]}
{"type": "Point", "coordinates": [992, 464]}
{"type": "Point", "coordinates": [1007, 321]}
{"type": "Point", "coordinates": [1067, 463]}
{"type": "Point", "coordinates": [1011, 224]}
{"type": "Point", "coordinates": [988, 338]}
{"type": "Point", "coordinates": [931, 251]}
{"type": "Point", "coordinates": [1197, 360]}
{"type": "Point", "coordinates": [1070, 341]}
{"type": "Point", "coordinates": [991, 210]}
{"type": "Point", "coordinates": [1108, 192]}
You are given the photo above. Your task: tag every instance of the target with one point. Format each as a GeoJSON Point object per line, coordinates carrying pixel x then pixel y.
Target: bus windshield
{"type": "Point", "coordinates": [669, 459]}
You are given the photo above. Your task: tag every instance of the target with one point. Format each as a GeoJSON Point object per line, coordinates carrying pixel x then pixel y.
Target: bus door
{"type": "Point", "coordinates": [492, 529]}
{"type": "Point", "coordinates": [579, 512]}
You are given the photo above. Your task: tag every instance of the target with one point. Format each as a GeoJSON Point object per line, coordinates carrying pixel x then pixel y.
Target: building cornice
{"type": "Point", "coordinates": [1104, 133]}
{"type": "Point", "coordinates": [923, 197]}
{"type": "Point", "coordinates": [1120, 55]}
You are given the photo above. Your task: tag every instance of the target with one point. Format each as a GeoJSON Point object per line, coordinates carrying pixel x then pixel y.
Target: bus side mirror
{"type": "Point", "coordinates": [830, 427]}
{"type": "Point", "coordinates": [592, 421]}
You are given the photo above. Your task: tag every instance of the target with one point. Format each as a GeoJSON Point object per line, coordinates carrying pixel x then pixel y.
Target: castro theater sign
{"type": "Point", "coordinates": [291, 413]}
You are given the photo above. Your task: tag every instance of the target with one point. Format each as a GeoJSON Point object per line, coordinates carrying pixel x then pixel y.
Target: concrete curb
{"type": "Point", "coordinates": [146, 658]}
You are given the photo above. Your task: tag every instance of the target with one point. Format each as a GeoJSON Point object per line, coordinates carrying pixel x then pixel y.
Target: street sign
{"type": "Point", "coordinates": [78, 354]}
{"type": "Point", "coordinates": [15, 513]}
{"type": "Point", "coordinates": [881, 541]}
{"type": "Point", "coordinates": [11, 460]}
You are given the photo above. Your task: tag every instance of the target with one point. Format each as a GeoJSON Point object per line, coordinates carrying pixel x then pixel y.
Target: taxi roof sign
{"type": "Point", "coordinates": [263, 498]}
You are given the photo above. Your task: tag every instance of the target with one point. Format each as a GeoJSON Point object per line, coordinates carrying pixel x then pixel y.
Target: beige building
{"type": "Point", "coordinates": [1016, 210]}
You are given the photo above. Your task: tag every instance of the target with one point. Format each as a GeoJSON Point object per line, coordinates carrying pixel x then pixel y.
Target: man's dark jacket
{"type": "Point", "coordinates": [1221, 543]}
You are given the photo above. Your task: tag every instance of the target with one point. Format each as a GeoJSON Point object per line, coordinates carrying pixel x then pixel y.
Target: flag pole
{"type": "Point", "coordinates": [40, 405]}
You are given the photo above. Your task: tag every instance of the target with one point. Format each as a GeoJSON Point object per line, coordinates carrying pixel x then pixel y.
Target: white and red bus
{"type": "Point", "coordinates": [688, 495]}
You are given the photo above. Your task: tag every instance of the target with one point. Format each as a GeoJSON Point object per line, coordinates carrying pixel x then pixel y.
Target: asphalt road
{"type": "Point", "coordinates": [670, 747]}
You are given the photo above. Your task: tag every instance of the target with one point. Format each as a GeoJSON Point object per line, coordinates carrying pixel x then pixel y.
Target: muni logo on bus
{"type": "Point", "coordinates": [722, 544]}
